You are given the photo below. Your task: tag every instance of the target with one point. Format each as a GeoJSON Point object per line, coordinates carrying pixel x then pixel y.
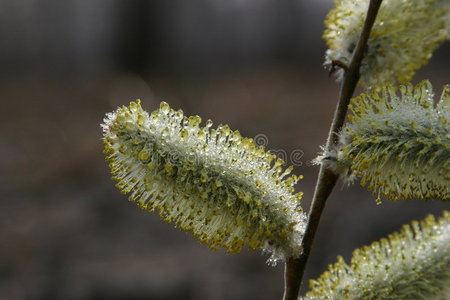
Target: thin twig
{"type": "Point", "coordinates": [295, 267]}
{"type": "Point", "coordinates": [337, 63]}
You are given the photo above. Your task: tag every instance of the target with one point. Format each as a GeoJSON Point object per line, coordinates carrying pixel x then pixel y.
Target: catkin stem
{"type": "Point", "coordinates": [295, 267]}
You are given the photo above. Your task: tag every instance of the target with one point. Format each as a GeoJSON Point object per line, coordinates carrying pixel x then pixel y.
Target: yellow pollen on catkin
{"type": "Point", "coordinates": [403, 38]}
{"type": "Point", "coordinates": [399, 147]}
{"type": "Point", "coordinates": [213, 182]}
{"type": "Point", "coordinates": [413, 263]}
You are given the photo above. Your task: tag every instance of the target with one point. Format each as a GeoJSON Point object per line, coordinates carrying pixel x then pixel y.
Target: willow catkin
{"type": "Point", "coordinates": [213, 182]}
{"type": "Point", "coordinates": [398, 144]}
{"type": "Point", "coordinates": [402, 40]}
{"type": "Point", "coordinates": [411, 264]}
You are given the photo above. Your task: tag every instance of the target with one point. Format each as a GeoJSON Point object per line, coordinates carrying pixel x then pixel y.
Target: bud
{"type": "Point", "coordinates": [213, 182]}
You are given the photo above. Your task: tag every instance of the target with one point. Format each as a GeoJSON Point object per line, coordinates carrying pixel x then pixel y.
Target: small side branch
{"type": "Point", "coordinates": [335, 64]}
{"type": "Point", "coordinates": [295, 267]}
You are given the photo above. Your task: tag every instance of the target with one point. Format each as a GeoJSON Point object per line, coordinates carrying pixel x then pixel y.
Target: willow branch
{"type": "Point", "coordinates": [295, 267]}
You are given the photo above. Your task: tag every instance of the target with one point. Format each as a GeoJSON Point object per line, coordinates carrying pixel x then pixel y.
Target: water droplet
{"type": "Point", "coordinates": [194, 121]}
{"type": "Point", "coordinates": [164, 107]}
{"type": "Point", "coordinates": [184, 134]}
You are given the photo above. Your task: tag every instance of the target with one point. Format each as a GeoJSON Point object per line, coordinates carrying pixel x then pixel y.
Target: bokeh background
{"type": "Point", "coordinates": [67, 233]}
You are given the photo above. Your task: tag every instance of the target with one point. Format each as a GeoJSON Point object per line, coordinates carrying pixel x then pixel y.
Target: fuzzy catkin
{"type": "Point", "coordinates": [403, 37]}
{"type": "Point", "coordinates": [213, 182]}
{"type": "Point", "coordinates": [411, 264]}
{"type": "Point", "coordinates": [398, 144]}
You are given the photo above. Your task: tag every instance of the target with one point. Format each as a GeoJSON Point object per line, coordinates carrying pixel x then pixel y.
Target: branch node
{"type": "Point", "coordinates": [335, 63]}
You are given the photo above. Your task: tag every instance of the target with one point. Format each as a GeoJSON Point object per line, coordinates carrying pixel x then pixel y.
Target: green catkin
{"type": "Point", "coordinates": [213, 182]}
{"type": "Point", "coordinates": [398, 144]}
{"type": "Point", "coordinates": [411, 264]}
{"type": "Point", "coordinates": [403, 37]}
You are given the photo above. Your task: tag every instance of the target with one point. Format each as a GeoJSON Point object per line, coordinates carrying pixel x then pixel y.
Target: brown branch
{"type": "Point", "coordinates": [295, 267]}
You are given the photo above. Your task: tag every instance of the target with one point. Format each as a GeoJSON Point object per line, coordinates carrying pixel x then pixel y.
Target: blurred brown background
{"type": "Point", "coordinates": [67, 233]}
